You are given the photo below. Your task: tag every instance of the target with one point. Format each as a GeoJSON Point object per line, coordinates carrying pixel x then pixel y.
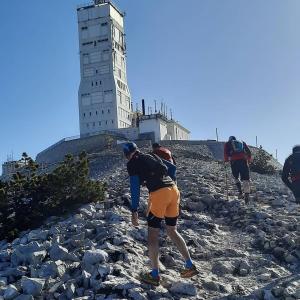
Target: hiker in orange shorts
{"type": "Point", "coordinates": [164, 198]}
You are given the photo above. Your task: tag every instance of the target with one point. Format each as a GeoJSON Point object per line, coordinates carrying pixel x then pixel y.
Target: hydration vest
{"type": "Point", "coordinates": [237, 147]}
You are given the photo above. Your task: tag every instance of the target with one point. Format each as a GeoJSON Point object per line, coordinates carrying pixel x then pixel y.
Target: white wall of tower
{"type": "Point", "coordinates": [104, 96]}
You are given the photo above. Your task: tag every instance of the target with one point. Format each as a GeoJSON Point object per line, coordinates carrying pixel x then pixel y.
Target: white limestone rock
{"type": "Point", "coordinates": [10, 292]}
{"type": "Point", "coordinates": [184, 288]}
{"type": "Point", "coordinates": [92, 257]}
{"type": "Point", "coordinates": [32, 286]}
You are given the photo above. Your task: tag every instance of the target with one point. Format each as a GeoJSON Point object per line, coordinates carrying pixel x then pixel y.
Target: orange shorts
{"type": "Point", "coordinates": [165, 202]}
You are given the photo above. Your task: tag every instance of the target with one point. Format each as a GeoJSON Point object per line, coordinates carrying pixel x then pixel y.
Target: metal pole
{"type": "Point", "coordinates": [226, 182]}
{"type": "Point", "coordinates": [276, 154]}
{"type": "Point", "coordinates": [217, 134]}
{"type": "Point", "coordinates": [256, 141]}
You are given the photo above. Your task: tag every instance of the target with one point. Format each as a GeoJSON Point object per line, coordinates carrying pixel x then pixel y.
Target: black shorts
{"type": "Point", "coordinates": [240, 169]}
{"type": "Point", "coordinates": [155, 222]}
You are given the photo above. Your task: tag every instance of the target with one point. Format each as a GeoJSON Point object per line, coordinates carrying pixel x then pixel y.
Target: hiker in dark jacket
{"type": "Point", "coordinates": [164, 199]}
{"type": "Point", "coordinates": [291, 172]}
{"type": "Point", "coordinates": [239, 156]}
{"type": "Point", "coordinates": [167, 157]}
{"type": "Point", "coordinates": [163, 153]}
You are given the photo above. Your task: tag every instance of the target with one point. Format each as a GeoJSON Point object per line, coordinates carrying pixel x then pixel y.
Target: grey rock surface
{"type": "Point", "coordinates": [242, 251]}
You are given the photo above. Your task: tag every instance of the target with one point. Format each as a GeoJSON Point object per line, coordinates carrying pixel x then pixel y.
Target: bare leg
{"type": "Point", "coordinates": [153, 246]}
{"type": "Point", "coordinates": [246, 186]}
{"type": "Point", "coordinates": [178, 240]}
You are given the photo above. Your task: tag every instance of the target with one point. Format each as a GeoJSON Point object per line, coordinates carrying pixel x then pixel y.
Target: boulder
{"type": "Point", "coordinates": [36, 258]}
{"type": "Point", "coordinates": [38, 235]}
{"type": "Point", "coordinates": [3, 281]}
{"type": "Point", "coordinates": [58, 252]}
{"type": "Point", "coordinates": [222, 267]}
{"type": "Point", "coordinates": [183, 288]}
{"type": "Point", "coordinates": [32, 286]}
{"type": "Point", "coordinates": [24, 297]}
{"type": "Point", "coordinates": [5, 255]}
{"type": "Point", "coordinates": [23, 254]}
{"type": "Point", "coordinates": [52, 269]}
{"type": "Point", "coordinates": [92, 257]}
{"type": "Point", "coordinates": [10, 292]}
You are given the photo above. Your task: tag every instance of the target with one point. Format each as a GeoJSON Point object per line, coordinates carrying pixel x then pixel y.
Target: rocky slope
{"type": "Point", "coordinates": [242, 252]}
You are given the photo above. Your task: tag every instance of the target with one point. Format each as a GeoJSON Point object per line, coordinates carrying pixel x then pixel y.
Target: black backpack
{"type": "Point", "coordinates": [154, 166]}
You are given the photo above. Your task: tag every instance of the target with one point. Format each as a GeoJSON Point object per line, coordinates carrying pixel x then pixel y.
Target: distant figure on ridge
{"type": "Point", "coordinates": [239, 156]}
{"type": "Point", "coordinates": [164, 199]}
{"type": "Point", "coordinates": [291, 173]}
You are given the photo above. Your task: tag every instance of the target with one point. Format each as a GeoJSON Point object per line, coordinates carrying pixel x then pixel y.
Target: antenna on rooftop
{"type": "Point", "coordinates": [155, 106]}
{"type": "Point", "coordinates": [101, 1]}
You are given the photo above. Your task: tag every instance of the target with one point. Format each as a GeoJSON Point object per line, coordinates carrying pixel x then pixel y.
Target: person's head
{"type": "Point", "coordinates": [129, 149]}
{"type": "Point", "coordinates": [232, 138]}
{"type": "Point", "coordinates": [155, 146]}
{"type": "Point", "coordinates": [296, 149]}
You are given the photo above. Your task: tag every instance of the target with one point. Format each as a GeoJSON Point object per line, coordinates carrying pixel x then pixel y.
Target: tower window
{"type": "Point", "coordinates": [96, 82]}
{"type": "Point", "coordinates": [87, 125]}
{"type": "Point", "coordinates": [112, 121]}
{"type": "Point", "coordinates": [92, 83]}
{"type": "Point", "coordinates": [94, 124]}
{"type": "Point", "coordinates": [102, 112]}
{"type": "Point", "coordinates": [99, 123]}
{"type": "Point", "coordinates": [87, 43]}
{"type": "Point", "coordinates": [108, 111]}
{"type": "Point", "coordinates": [84, 114]}
{"type": "Point", "coordinates": [106, 122]}
{"type": "Point", "coordinates": [96, 112]}
{"type": "Point", "coordinates": [90, 113]}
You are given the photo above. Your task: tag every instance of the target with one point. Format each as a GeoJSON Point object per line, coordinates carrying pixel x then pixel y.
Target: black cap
{"type": "Point", "coordinates": [296, 149]}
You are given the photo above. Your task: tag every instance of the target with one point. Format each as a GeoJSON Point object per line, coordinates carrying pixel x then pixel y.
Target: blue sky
{"type": "Point", "coordinates": [232, 64]}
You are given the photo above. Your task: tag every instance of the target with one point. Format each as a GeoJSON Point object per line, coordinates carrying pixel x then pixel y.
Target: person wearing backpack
{"type": "Point", "coordinates": [239, 155]}
{"type": "Point", "coordinates": [164, 198]}
{"type": "Point", "coordinates": [291, 173]}
{"type": "Point", "coordinates": [163, 153]}
{"type": "Point", "coordinates": [167, 158]}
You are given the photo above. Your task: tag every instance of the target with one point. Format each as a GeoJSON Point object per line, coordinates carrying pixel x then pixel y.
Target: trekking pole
{"type": "Point", "coordinates": [226, 182]}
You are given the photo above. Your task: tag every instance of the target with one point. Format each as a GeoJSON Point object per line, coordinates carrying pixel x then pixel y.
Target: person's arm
{"type": "Point", "coordinates": [171, 169]}
{"type": "Point", "coordinates": [226, 154]}
{"type": "Point", "coordinates": [286, 173]}
{"type": "Point", "coordinates": [135, 192]}
{"type": "Point", "coordinates": [134, 180]}
{"type": "Point", "coordinates": [247, 151]}
{"type": "Point", "coordinates": [174, 161]}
